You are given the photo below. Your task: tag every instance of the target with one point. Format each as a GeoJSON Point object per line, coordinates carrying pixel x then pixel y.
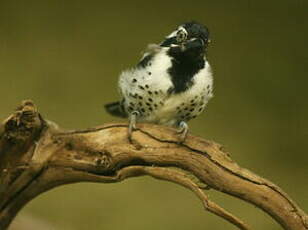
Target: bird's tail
{"type": "Point", "coordinates": [116, 109]}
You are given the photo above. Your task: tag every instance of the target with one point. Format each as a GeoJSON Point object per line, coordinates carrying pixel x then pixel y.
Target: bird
{"type": "Point", "coordinates": [171, 84]}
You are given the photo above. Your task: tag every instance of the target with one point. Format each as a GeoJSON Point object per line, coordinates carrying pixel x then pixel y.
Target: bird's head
{"type": "Point", "coordinates": [190, 38]}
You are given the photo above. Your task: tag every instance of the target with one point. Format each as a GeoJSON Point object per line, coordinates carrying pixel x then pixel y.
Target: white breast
{"type": "Point", "coordinates": [154, 75]}
{"type": "Point", "coordinates": [146, 90]}
{"type": "Point", "coordinates": [201, 92]}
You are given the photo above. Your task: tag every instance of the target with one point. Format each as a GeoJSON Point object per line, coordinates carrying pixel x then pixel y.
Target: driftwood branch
{"type": "Point", "coordinates": [36, 155]}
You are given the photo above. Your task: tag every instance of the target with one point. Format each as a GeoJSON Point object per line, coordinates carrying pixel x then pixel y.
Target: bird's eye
{"type": "Point", "coordinates": [181, 36]}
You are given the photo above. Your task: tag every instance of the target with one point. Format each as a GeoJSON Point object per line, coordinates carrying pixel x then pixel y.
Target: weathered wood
{"type": "Point", "coordinates": [35, 156]}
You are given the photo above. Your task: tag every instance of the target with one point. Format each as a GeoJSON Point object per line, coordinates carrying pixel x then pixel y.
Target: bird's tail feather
{"type": "Point", "coordinates": [115, 109]}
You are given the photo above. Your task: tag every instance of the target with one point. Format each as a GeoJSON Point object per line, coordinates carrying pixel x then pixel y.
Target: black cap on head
{"type": "Point", "coordinates": [186, 32]}
{"type": "Point", "coordinates": [196, 30]}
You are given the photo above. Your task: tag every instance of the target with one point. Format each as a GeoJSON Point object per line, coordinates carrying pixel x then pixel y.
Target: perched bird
{"type": "Point", "coordinates": [171, 84]}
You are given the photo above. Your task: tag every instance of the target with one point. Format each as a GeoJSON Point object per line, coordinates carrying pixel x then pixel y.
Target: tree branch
{"type": "Point", "coordinates": [36, 155]}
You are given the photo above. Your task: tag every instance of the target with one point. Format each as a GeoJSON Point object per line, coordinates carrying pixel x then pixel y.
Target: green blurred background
{"type": "Point", "coordinates": [67, 55]}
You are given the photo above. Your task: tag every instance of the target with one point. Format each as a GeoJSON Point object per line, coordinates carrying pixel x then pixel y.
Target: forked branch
{"type": "Point", "coordinates": [35, 156]}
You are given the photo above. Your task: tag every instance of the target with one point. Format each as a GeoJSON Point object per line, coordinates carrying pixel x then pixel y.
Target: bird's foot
{"type": "Point", "coordinates": [132, 124]}
{"type": "Point", "coordinates": [183, 130]}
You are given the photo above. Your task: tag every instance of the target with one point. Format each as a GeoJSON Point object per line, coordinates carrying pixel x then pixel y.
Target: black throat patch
{"type": "Point", "coordinates": [184, 67]}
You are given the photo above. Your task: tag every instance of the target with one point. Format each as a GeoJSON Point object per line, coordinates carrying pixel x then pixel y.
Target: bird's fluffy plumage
{"type": "Point", "coordinates": [173, 81]}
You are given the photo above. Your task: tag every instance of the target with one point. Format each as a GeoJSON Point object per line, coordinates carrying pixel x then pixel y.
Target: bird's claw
{"type": "Point", "coordinates": [132, 123]}
{"type": "Point", "coordinates": [183, 130]}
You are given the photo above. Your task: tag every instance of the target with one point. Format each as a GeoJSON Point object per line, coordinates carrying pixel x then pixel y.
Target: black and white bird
{"type": "Point", "coordinates": [171, 84]}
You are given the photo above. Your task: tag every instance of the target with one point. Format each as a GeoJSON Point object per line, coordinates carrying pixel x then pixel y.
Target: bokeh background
{"type": "Point", "coordinates": [67, 55]}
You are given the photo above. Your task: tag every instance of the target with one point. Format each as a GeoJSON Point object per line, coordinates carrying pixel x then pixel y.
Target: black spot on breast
{"type": "Point", "coordinates": [134, 80]}
{"type": "Point", "coordinates": [193, 104]}
{"type": "Point", "coordinates": [200, 109]}
{"type": "Point", "coordinates": [141, 87]}
{"type": "Point", "coordinates": [140, 97]}
{"type": "Point", "coordinates": [150, 92]}
{"type": "Point", "coordinates": [193, 117]}
{"type": "Point", "coordinates": [192, 101]}
{"type": "Point", "coordinates": [155, 105]}
{"type": "Point", "coordinates": [147, 86]}
{"type": "Point", "coordinates": [149, 73]}
{"type": "Point", "coordinates": [208, 87]}
{"type": "Point", "coordinates": [186, 108]}
{"type": "Point", "coordinates": [150, 108]}
{"type": "Point", "coordinates": [150, 99]}
{"type": "Point", "coordinates": [192, 109]}
{"type": "Point", "coordinates": [140, 103]}
{"type": "Point", "coordinates": [156, 92]}
{"type": "Point", "coordinates": [148, 104]}
{"type": "Point", "coordinates": [142, 110]}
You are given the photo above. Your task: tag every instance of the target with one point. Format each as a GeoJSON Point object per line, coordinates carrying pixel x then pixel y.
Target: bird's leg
{"type": "Point", "coordinates": [132, 123]}
{"type": "Point", "coordinates": [183, 130]}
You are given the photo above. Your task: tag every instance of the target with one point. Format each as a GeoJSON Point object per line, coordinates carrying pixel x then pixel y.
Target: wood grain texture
{"type": "Point", "coordinates": [36, 156]}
